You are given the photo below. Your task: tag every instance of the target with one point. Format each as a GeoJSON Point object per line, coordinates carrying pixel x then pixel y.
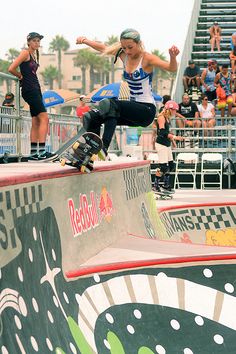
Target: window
{"type": "Point", "coordinates": [76, 78]}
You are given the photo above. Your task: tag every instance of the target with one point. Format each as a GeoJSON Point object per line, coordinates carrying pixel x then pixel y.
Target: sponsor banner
{"type": "Point", "coordinates": [92, 211]}
{"type": "Point", "coordinates": [212, 225]}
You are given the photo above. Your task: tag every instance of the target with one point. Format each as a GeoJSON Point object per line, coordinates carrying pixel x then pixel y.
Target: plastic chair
{"type": "Point", "coordinates": [186, 164]}
{"type": "Point", "coordinates": [212, 164]}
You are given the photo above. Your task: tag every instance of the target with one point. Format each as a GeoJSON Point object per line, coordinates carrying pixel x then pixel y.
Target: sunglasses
{"type": "Point", "coordinates": [205, 99]}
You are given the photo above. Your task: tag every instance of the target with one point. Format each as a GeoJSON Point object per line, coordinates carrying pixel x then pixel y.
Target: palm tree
{"type": "Point", "coordinates": [59, 44]}
{"type": "Point", "coordinates": [12, 54]}
{"type": "Point", "coordinates": [105, 70]}
{"type": "Point", "coordinates": [86, 58]}
{"type": "Point", "coordinates": [81, 60]}
{"type": "Point", "coordinates": [50, 74]}
{"type": "Point", "coordinates": [157, 72]}
{"type": "Point", "coordinates": [112, 40]}
{"type": "Point", "coordinates": [95, 62]}
{"type": "Point", "coordinates": [4, 65]}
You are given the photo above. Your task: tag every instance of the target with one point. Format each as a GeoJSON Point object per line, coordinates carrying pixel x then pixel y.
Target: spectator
{"type": "Point", "coordinates": [233, 111]}
{"type": "Point", "coordinates": [82, 108]}
{"type": "Point", "coordinates": [232, 57]}
{"type": "Point", "coordinates": [207, 80]}
{"type": "Point", "coordinates": [165, 99]}
{"type": "Point", "coordinates": [223, 91]}
{"type": "Point", "coordinates": [9, 100]}
{"type": "Point", "coordinates": [187, 117]}
{"type": "Point", "coordinates": [215, 36]}
{"type": "Point", "coordinates": [187, 114]}
{"type": "Point", "coordinates": [215, 66]}
{"type": "Point", "coordinates": [207, 113]}
{"type": "Point", "coordinates": [191, 76]}
{"type": "Point", "coordinates": [233, 40]}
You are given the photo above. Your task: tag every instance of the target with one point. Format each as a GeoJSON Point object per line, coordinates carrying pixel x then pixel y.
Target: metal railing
{"type": "Point", "coordinates": [15, 130]}
{"type": "Point", "coordinates": [221, 138]}
{"type": "Point", "coordinates": [186, 52]}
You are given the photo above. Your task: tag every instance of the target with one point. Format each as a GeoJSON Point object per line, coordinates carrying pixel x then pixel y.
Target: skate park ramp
{"type": "Point", "coordinates": [94, 264]}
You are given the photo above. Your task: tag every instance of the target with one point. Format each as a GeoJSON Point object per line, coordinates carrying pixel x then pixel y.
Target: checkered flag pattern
{"type": "Point", "coordinates": [211, 218]}
{"type": "Point", "coordinates": [19, 202]}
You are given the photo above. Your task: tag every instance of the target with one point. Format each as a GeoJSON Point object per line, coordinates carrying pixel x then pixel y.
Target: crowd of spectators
{"type": "Point", "coordinates": [207, 91]}
{"type": "Point", "coordinates": [215, 84]}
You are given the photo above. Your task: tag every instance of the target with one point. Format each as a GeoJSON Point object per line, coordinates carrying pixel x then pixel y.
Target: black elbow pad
{"type": "Point", "coordinates": [163, 133]}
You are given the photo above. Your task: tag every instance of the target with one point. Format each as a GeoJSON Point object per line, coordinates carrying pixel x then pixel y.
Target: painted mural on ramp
{"type": "Point", "coordinates": [50, 227]}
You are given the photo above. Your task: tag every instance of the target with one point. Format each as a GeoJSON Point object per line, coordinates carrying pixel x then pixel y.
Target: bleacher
{"type": "Point", "coordinates": [224, 12]}
{"type": "Point", "coordinates": [197, 48]}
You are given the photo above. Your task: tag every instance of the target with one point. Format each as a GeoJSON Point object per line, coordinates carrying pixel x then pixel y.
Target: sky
{"type": "Point", "coordinates": [161, 23]}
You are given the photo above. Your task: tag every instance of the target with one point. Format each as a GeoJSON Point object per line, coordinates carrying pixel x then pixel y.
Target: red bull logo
{"type": "Point", "coordinates": [85, 217]}
{"type": "Point", "coordinates": [105, 205]}
{"type": "Point", "coordinates": [90, 213]}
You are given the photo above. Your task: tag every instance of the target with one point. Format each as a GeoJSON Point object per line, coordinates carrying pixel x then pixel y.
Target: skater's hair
{"type": "Point", "coordinates": [166, 113]}
{"type": "Point", "coordinates": [29, 37]}
{"type": "Point", "coordinates": [116, 49]}
{"type": "Point", "coordinates": [37, 56]}
{"type": "Point", "coordinates": [130, 33]}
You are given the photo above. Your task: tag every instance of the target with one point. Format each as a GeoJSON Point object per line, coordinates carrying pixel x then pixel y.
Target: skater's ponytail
{"type": "Point", "coordinates": [166, 113]}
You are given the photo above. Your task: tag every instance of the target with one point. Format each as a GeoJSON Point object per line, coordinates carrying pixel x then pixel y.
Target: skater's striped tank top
{"type": "Point", "coordinates": [140, 84]}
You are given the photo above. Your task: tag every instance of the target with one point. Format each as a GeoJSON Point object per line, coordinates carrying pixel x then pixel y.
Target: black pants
{"type": "Point", "coordinates": [128, 113]}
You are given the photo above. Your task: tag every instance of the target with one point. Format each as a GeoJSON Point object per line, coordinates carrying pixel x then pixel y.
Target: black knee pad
{"type": "Point", "coordinates": [86, 120]}
{"type": "Point", "coordinates": [90, 118]}
{"type": "Point", "coordinates": [108, 108]}
{"type": "Point", "coordinates": [171, 166]}
{"type": "Point", "coordinates": [164, 168]}
{"type": "Point", "coordinates": [104, 106]}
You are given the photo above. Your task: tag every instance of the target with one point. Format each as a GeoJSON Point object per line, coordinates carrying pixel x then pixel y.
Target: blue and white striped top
{"type": "Point", "coordinates": [140, 84]}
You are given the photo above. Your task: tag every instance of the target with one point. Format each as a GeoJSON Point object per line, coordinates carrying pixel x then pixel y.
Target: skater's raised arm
{"type": "Point", "coordinates": [100, 47]}
{"type": "Point", "coordinates": [155, 61]}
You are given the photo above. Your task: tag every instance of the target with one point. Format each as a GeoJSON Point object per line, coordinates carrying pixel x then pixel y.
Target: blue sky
{"type": "Point", "coordinates": [160, 23]}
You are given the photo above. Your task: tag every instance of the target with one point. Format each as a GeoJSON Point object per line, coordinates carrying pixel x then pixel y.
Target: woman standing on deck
{"type": "Point", "coordinates": [163, 147]}
{"type": "Point", "coordinates": [28, 62]}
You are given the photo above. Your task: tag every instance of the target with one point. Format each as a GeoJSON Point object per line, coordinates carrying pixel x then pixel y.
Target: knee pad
{"type": "Point", "coordinates": [171, 166]}
{"type": "Point", "coordinates": [164, 168]}
{"type": "Point", "coordinates": [158, 172]}
{"type": "Point", "coordinates": [104, 106]}
{"type": "Point", "coordinates": [90, 118]}
{"type": "Point", "coordinates": [86, 120]}
{"type": "Point", "coordinates": [108, 107]}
